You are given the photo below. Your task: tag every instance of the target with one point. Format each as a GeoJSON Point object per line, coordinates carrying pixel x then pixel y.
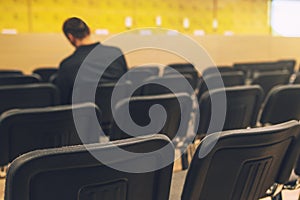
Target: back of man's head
{"type": "Point", "coordinates": [76, 27]}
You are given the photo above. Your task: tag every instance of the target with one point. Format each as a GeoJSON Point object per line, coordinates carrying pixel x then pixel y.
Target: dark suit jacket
{"type": "Point", "coordinates": [95, 62]}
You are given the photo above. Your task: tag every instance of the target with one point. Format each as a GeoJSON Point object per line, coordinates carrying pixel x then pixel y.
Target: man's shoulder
{"type": "Point", "coordinates": [67, 62]}
{"type": "Point", "coordinates": [111, 48]}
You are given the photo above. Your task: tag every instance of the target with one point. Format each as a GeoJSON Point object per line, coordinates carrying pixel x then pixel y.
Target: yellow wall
{"type": "Point", "coordinates": [40, 16]}
{"type": "Point", "coordinates": [28, 51]}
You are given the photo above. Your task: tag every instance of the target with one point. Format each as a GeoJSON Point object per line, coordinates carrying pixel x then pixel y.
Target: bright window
{"type": "Point", "coordinates": [285, 17]}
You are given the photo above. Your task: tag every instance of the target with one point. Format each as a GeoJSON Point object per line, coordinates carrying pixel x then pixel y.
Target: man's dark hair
{"type": "Point", "coordinates": [76, 27]}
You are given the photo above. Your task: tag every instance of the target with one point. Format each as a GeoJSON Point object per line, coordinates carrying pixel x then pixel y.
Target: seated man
{"type": "Point", "coordinates": [109, 63]}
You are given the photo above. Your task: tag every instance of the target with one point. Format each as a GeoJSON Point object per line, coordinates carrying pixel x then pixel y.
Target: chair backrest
{"type": "Point", "coordinates": [251, 68]}
{"type": "Point", "coordinates": [288, 64]}
{"type": "Point", "coordinates": [138, 76]}
{"type": "Point", "coordinates": [281, 105]}
{"type": "Point", "coordinates": [242, 107]}
{"type": "Point", "coordinates": [153, 69]}
{"type": "Point", "coordinates": [19, 79]}
{"type": "Point", "coordinates": [229, 79]}
{"type": "Point", "coordinates": [103, 101]}
{"type": "Point", "coordinates": [242, 164]}
{"type": "Point", "coordinates": [218, 69]}
{"type": "Point", "coordinates": [182, 67]}
{"type": "Point", "coordinates": [186, 69]}
{"type": "Point", "coordinates": [45, 72]}
{"type": "Point", "coordinates": [24, 130]}
{"type": "Point", "coordinates": [73, 173]}
{"type": "Point", "coordinates": [268, 80]}
{"type": "Point", "coordinates": [163, 84]}
{"type": "Point", "coordinates": [9, 72]}
{"type": "Point", "coordinates": [178, 109]}
{"type": "Point", "coordinates": [28, 96]}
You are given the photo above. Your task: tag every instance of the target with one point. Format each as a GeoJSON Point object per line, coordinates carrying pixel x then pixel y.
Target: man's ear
{"type": "Point", "coordinates": [70, 37]}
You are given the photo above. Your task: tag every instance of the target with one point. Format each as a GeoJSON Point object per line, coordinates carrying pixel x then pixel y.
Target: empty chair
{"type": "Point", "coordinates": [9, 72]}
{"type": "Point", "coordinates": [268, 80]}
{"type": "Point", "coordinates": [242, 107]}
{"type": "Point", "coordinates": [226, 79]}
{"type": "Point", "coordinates": [103, 99]}
{"type": "Point", "coordinates": [281, 105]}
{"type": "Point", "coordinates": [177, 108]}
{"type": "Point", "coordinates": [19, 79]}
{"type": "Point", "coordinates": [153, 69]}
{"type": "Point", "coordinates": [218, 69]}
{"type": "Point", "coordinates": [288, 64]}
{"type": "Point", "coordinates": [242, 164]}
{"type": "Point", "coordinates": [138, 76]}
{"type": "Point", "coordinates": [73, 173]}
{"type": "Point", "coordinates": [186, 69]}
{"type": "Point", "coordinates": [251, 68]}
{"type": "Point", "coordinates": [45, 72]}
{"type": "Point", "coordinates": [167, 84]}
{"type": "Point", "coordinates": [24, 130]}
{"type": "Point", "coordinates": [28, 96]}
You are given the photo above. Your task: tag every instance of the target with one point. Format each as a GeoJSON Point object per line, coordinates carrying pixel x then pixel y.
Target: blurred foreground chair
{"type": "Point", "coordinates": [243, 164]}
{"type": "Point", "coordinates": [144, 171]}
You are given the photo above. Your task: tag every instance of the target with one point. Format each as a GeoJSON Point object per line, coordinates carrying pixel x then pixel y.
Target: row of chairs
{"type": "Point", "coordinates": [42, 74]}
{"type": "Point", "coordinates": [243, 100]}
{"type": "Point", "coordinates": [240, 164]}
{"type": "Point", "coordinates": [245, 107]}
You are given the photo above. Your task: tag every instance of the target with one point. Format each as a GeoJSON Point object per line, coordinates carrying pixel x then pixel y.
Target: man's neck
{"type": "Point", "coordinates": [85, 41]}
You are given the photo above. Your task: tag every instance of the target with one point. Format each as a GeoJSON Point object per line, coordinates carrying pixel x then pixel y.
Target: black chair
{"type": "Point", "coordinates": [28, 96]}
{"type": "Point", "coordinates": [228, 79]}
{"type": "Point", "coordinates": [163, 85]}
{"type": "Point", "coordinates": [177, 108]}
{"type": "Point", "coordinates": [19, 79]}
{"type": "Point", "coordinates": [242, 164]}
{"type": "Point", "coordinates": [288, 64]}
{"type": "Point", "coordinates": [251, 68]}
{"type": "Point", "coordinates": [103, 98]}
{"type": "Point", "coordinates": [242, 107]}
{"type": "Point", "coordinates": [281, 105]}
{"type": "Point", "coordinates": [73, 173]}
{"type": "Point", "coordinates": [268, 80]}
{"type": "Point", "coordinates": [149, 68]}
{"type": "Point", "coordinates": [218, 69]}
{"type": "Point", "coordinates": [45, 72]}
{"type": "Point", "coordinates": [24, 130]}
{"type": "Point", "coordinates": [9, 72]}
{"type": "Point", "coordinates": [186, 69]}
{"type": "Point", "coordinates": [138, 76]}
